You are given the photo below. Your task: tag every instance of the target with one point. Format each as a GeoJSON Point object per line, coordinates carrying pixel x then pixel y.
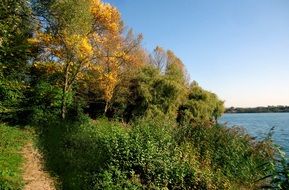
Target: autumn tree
{"type": "Point", "coordinates": [138, 57]}
{"type": "Point", "coordinates": [63, 39]}
{"type": "Point", "coordinates": [81, 36]}
{"type": "Point", "coordinates": [115, 65]}
{"type": "Point", "coordinates": [84, 45]}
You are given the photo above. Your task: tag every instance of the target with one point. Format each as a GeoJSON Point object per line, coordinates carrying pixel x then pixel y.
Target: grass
{"type": "Point", "coordinates": [12, 139]}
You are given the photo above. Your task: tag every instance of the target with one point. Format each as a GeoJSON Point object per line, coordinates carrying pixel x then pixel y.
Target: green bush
{"type": "Point", "coordinates": [149, 154]}
{"type": "Point", "coordinates": [107, 155]}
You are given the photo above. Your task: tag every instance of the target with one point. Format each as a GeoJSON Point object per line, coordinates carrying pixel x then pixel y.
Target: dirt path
{"type": "Point", "coordinates": [34, 176]}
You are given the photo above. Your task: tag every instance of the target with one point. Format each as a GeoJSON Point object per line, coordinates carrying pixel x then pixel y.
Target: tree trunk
{"type": "Point", "coordinates": [64, 92]}
{"type": "Point", "coordinates": [63, 105]}
{"type": "Point", "coordinates": [105, 108]}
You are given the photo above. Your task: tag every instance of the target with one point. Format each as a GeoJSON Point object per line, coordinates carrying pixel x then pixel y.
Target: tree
{"type": "Point", "coordinates": [119, 58]}
{"type": "Point", "coordinates": [16, 26]}
{"type": "Point", "coordinates": [159, 58]}
{"type": "Point", "coordinates": [15, 29]}
{"type": "Point", "coordinates": [169, 64]}
{"type": "Point", "coordinates": [76, 35]}
{"type": "Point", "coordinates": [176, 69]}
{"type": "Point", "coordinates": [64, 39]}
{"type": "Point", "coordinates": [200, 106]}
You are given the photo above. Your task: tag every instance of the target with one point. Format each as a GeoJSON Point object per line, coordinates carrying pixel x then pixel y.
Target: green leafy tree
{"type": "Point", "coordinates": [200, 106]}
{"type": "Point", "coordinates": [16, 25]}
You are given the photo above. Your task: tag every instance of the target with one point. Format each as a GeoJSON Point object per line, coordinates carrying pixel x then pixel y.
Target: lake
{"type": "Point", "coordinates": [259, 124]}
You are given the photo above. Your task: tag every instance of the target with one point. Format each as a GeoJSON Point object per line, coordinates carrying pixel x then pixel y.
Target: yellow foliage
{"type": "Point", "coordinates": [33, 41]}
{"type": "Point", "coordinates": [75, 44]}
{"type": "Point", "coordinates": [106, 15]}
{"type": "Point", "coordinates": [107, 83]}
{"type": "Point", "coordinates": [102, 53]}
{"type": "Point", "coordinates": [48, 68]}
{"type": "Point", "coordinates": [46, 38]}
{"type": "Point", "coordinates": [85, 46]}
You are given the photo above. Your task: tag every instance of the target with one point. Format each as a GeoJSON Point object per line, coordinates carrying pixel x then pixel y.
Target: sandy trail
{"type": "Point", "coordinates": [34, 176]}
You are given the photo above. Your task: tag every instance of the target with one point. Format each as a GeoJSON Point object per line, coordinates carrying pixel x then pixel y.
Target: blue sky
{"type": "Point", "coordinates": [238, 49]}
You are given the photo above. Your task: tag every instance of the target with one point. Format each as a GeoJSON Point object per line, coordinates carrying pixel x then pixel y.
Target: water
{"type": "Point", "coordinates": [259, 124]}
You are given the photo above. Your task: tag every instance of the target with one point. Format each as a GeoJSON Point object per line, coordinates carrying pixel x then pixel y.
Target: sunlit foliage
{"type": "Point", "coordinates": [65, 62]}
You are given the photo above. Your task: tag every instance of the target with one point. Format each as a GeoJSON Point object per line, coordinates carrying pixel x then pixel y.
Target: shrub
{"type": "Point", "coordinates": [107, 155]}
{"type": "Point", "coordinates": [153, 154]}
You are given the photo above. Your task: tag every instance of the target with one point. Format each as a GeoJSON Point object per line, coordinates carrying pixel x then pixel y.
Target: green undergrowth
{"type": "Point", "coordinates": [12, 140]}
{"type": "Point", "coordinates": [151, 154]}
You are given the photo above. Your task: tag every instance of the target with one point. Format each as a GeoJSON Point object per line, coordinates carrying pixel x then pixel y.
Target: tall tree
{"type": "Point", "coordinates": [74, 35]}
{"type": "Point", "coordinates": [16, 26]}
{"type": "Point", "coordinates": [176, 69]}
{"type": "Point", "coordinates": [156, 92]}
{"type": "Point", "coordinates": [119, 57]}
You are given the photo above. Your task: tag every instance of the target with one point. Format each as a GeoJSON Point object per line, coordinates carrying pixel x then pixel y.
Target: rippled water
{"type": "Point", "coordinates": [259, 124]}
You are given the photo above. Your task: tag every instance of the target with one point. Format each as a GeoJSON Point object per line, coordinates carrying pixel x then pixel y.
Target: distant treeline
{"type": "Point", "coordinates": [258, 109]}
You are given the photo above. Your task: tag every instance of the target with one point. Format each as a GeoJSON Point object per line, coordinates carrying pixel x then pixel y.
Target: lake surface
{"type": "Point", "coordinates": [259, 124]}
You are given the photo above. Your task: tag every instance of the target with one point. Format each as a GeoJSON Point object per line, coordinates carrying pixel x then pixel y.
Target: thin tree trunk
{"type": "Point", "coordinates": [64, 92]}
{"type": "Point", "coordinates": [63, 105]}
{"type": "Point", "coordinates": [106, 107]}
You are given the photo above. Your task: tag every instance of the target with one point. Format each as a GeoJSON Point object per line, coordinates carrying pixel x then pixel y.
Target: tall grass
{"type": "Point", "coordinates": [12, 140]}
{"type": "Point", "coordinates": [148, 155]}
{"type": "Point", "coordinates": [238, 157]}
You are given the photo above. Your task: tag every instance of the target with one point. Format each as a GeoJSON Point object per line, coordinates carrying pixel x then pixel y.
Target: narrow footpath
{"type": "Point", "coordinates": [34, 176]}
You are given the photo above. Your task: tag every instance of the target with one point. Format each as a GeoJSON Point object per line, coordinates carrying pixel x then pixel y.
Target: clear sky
{"type": "Point", "coordinates": [238, 49]}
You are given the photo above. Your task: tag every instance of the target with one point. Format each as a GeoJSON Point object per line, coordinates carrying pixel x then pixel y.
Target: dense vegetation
{"type": "Point", "coordinates": [109, 114]}
{"type": "Point", "coordinates": [268, 109]}
{"type": "Point", "coordinates": [153, 155]}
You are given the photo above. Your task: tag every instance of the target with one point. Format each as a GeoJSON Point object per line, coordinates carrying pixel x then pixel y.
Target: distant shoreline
{"type": "Point", "coordinates": [268, 109]}
{"type": "Point", "coordinates": [253, 112]}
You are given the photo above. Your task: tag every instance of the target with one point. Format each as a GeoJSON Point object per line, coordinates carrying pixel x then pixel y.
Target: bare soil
{"type": "Point", "coordinates": [34, 175]}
